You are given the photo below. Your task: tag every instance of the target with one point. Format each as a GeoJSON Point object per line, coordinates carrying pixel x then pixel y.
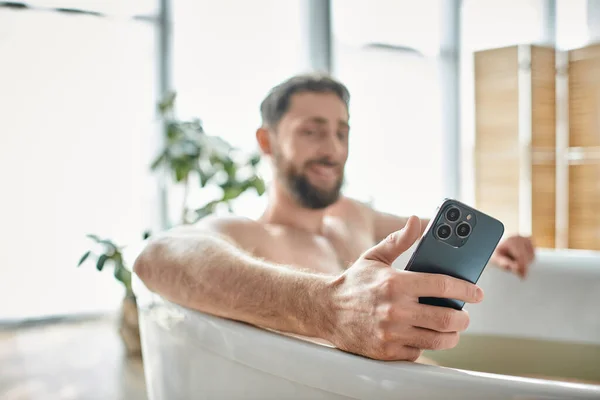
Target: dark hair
{"type": "Point", "coordinates": [277, 102]}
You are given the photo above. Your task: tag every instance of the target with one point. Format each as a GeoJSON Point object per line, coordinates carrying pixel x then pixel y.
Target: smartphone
{"type": "Point", "coordinates": [459, 242]}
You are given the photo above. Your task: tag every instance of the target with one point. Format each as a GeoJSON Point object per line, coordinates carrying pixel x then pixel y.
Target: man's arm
{"type": "Point", "coordinates": [370, 309]}
{"type": "Point", "coordinates": [204, 269]}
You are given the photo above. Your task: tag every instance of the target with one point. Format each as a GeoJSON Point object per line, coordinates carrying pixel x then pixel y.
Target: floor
{"type": "Point", "coordinates": [68, 360]}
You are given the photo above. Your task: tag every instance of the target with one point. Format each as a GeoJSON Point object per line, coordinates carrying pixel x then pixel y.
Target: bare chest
{"type": "Point", "coordinates": [330, 253]}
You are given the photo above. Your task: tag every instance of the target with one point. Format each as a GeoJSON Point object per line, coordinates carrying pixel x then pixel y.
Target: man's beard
{"type": "Point", "coordinates": [301, 189]}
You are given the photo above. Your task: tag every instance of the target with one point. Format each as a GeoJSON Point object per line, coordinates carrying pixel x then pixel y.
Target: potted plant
{"type": "Point", "coordinates": [193, 160]}
{"type": "Point", "coordinates": [190, 153]}
{"type": "Point", "coordinates": [108, 253]}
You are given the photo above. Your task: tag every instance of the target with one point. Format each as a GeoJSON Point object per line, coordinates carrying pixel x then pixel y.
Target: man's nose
{"type": "Point", "coordinates": [330, 145]}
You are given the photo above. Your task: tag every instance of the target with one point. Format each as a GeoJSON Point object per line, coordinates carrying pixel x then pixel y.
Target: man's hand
{"type": "Point", "coordinates": [376, 310]}
{"type": "Point", "coordinates": [514, 254]}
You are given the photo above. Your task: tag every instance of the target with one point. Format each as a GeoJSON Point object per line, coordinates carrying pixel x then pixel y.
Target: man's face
{"type": "Point", "coordinates": [310, 148]}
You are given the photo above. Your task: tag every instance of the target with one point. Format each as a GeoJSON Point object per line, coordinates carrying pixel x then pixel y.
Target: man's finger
{"type": "Point", "coordinates": [525, 250]}
{"type": "Point", "coordinates": [530, 249]}
{"type": "Point", "coordinates": [422, 284]}
{"type": "Point", "coordinates": [398, 351]}
{"type": "Point", "coordinates": [517, 253]}
{"type": "Point", "coordinates": [440, 319]}
{"type": "Point", "coordinates": [426, 339]}
{"type": "Point", "coordinates": [528, 258]}
{"type": "Point", "coordinates": [507, 263]}
{"type": "Point", "coordinates": [396, 243]}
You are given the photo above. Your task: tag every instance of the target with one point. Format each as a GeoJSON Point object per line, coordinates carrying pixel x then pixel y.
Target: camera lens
{"type": "Point", "coordinates": [444, 231]}
{"type": "Point", "coordinates": [463, 230]}
{"type": "Point", "coordinates": [453, 214]}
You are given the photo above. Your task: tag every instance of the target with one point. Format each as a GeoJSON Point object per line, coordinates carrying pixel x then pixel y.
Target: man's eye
{"type": "Point", "coordinates": [342, 135]}
{"type": "Point", "coordinates": [308, 132]}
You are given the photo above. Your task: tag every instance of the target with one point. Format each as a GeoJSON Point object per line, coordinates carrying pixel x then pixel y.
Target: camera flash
{"type": "Point", "coordinates": [468, 217]}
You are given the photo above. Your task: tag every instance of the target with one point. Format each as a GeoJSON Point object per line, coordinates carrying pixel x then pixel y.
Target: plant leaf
{"type": "Point", "coordinates": [111, 246]}
{"type": "Point", "coordinates": [232, 192]}
{"type": "Point", "coordinates": [93, 237]}
{"type": "Point", "coordinates": [173, 131]}
{"type": "Point", "coordinates": [84, 257]}
{"type": "Point", "coordinates": [159, 160]}
{"type": "Point", "coordinates": [196, 124]}
{"type": "Point", "coordinates": [208, 209]}
{"type": "Point", "coordinates": [190, 148]}
{"type": "Point", "coordinates": [219, 145]}
{"type": "Point", "coordinates": [258, 184]}
{"type": "Point", "coordinates": [167, 103]}
{"type": "Point", "coordinates": [101, 260]}
{"type": "Point", "coordinates": [255, 160]}
{"type": "Point", "coordinates": [215, 159]}
{"type": "Point", "coordinates": [182, 170]}
{"type": "Point", "coordinates": [205, 176]}
{"type": "Point", "coordinates": [230, 167]}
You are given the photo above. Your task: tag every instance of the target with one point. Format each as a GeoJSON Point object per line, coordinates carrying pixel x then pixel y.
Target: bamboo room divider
{"type": "Point", "coordinates": [537, 142]}
{"type": "Point", "coordinates": [584, 149]}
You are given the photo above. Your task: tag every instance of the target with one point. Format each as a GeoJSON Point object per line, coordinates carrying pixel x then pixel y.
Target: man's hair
{"type": "Point", "coordinates": [277, 102]}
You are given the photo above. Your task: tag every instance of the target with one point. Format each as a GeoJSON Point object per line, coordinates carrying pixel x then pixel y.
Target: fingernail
{"type": "Point", "coordinates": [479, 293]}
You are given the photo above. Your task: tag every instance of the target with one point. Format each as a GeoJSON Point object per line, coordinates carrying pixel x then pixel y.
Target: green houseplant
{"type": "Point", "coordinates": [108, 253]}
{"type": "Point", "coordinates": [190, 154]}
{"type": "Point", "coordinates": [194, 160]}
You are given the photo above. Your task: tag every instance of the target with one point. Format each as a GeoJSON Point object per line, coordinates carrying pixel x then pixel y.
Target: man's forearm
{"type": "Point", "coordinates": [209, 274]}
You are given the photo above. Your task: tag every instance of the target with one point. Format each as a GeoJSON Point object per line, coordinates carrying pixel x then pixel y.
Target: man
{"type": "Point", "coordinates": [315, 263]}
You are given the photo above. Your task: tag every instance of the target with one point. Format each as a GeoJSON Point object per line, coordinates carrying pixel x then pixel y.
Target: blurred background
{"type": "Point", "coordinates": [80, 81]}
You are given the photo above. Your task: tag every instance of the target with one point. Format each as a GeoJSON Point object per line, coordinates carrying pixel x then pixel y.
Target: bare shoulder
{"type": "Point", "coordinates": [228, 224]}
{"type": "Point", "coordinates": [241, 231]}
{"type": "Point", "coordinates": [354, 211]}
{"type": "Point", "coordinates": [235, 226]}
{"type": "Point", "coordinates": [359, 214]}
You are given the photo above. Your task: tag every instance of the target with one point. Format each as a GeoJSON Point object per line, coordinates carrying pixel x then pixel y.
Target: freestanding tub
{"type": "Point", "coordinates": [547, 325]}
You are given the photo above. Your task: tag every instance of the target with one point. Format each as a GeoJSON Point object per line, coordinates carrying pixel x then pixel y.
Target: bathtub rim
{"type": "Point", "coordinates": [238, 342]}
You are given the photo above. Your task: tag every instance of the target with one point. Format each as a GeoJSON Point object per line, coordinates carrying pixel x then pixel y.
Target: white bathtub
{"type": "Point", "coordinates": [188, 354]}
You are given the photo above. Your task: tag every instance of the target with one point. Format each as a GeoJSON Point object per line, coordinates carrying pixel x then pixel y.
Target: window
{"type": "Point", "coordinates": [77, 134]}
{"type": "Point", "coordinates": [387, 54]}
{"type": "Point", "coordinates": [226, 56]}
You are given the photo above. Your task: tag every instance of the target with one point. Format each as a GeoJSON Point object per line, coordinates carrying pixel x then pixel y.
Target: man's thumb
{"type": "Point", "coordinates": [396, 243]}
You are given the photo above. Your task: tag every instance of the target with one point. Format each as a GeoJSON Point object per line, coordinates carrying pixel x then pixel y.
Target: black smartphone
{"type": "Point", "coordinates": [459, 242]}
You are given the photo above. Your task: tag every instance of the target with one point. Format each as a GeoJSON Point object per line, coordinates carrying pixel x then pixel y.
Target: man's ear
{"type": "Point", "coordinates": [263, 138]}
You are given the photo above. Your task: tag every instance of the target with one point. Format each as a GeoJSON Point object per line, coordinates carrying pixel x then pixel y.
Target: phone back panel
{"type": "Point", "coordinates": [461, 258]}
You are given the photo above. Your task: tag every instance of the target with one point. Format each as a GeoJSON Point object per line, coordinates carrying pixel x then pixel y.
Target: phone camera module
{"type": "Point", "coordinates": [444, 231]}
{"type": "Point", "coordinates": [453, 214]}
{"type": "Point", "coordinates": [463, 230]}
